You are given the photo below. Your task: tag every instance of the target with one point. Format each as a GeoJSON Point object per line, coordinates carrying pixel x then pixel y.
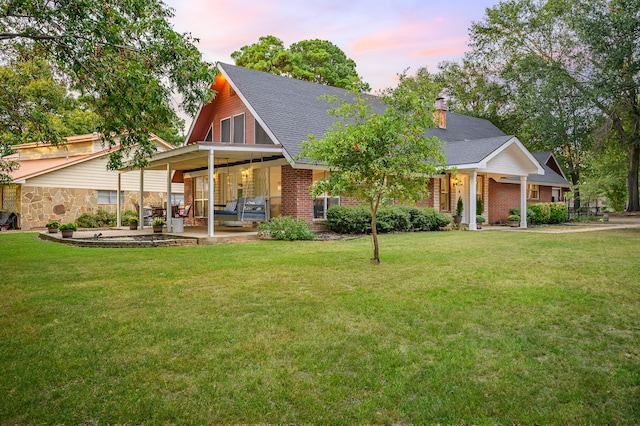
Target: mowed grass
{"type": "Point", "coordinates": [452, 327]}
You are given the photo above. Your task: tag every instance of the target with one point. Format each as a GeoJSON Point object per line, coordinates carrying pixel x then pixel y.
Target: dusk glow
{"type": "Point", "coordinates": [383, 41]}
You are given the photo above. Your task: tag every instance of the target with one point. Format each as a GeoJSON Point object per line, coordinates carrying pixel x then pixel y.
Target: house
{"type": "Point", "coordinates": [246, 142]}
{"type": "Point", "coordinates": [62, 182]}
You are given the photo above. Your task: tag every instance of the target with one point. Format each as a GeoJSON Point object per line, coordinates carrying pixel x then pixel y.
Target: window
{"type": "Point", "coordinates": [238, 129]}
{"type": "Point", "coordinates": [110, 197]}
{"type": "Point", "coordinates": [177, 199]}
{"type": "Point", "coordinates": [444, 194]}
{"type": "Point", "coordinates": [209, 137]}
{"type": "Point", "coordinates": [225, 130]}
{"type": "Point", "coordinates": [8, 197]}
{"type": "Point", "coordinates": [200, 196]}
{"type": "Point", "coordinates": [479, 196]}
{"type": "Point", "coordinates": [262, 138]}
{"type": "Point", "coordinates": [533, 192]}
{"type": "Point", "coordinates": [324, 201]}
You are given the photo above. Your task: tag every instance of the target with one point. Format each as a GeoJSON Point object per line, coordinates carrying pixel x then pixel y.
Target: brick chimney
{"type": "Point", "coordinates": [441, 112]}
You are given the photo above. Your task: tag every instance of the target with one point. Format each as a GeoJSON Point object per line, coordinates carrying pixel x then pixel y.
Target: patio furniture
{"type": "Point", "coordinates": [245, 209]}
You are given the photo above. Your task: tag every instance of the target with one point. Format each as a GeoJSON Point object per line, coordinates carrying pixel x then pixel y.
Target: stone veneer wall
{"type": "Point", "coordinates": [40, 205]}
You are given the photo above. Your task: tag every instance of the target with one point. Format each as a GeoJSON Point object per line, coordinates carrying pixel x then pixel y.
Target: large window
{"type": "Point", "coordinates": [444, 194]}
{"type": "Point", "coordinates": [324, 201]}
{"type": "Point", "coordinates": [238, 129]}
{"type": "Point", "coordinates": [200, 196]}
{"type": "Point", "coordinates": [533, 192]}
{"type": "Point", "coordinates": [225, 130]}
{"type": "Point", "coordinates": [110, 197]}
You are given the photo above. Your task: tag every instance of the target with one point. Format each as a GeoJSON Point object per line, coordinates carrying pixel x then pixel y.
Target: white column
{"type": "Point", "coordinates": [141, 200]}
{"type": "Point", "coordinates": [523, 201]}
{"type": "Point", "coordinates": [168, 210]}
{"type": "Point", "coordinates": [210, 212]}
{"type": "Point", "coordinates": [472, 200]}
{"type": "Point", "coordinates": [118, 204]}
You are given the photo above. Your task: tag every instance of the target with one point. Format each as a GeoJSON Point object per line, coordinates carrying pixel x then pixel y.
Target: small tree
{"type": "Point", "coordinates": [379, 156]}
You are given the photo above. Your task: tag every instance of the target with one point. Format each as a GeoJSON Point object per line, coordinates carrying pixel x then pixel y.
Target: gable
{"type": "Point", "coordinates": [511, 160]}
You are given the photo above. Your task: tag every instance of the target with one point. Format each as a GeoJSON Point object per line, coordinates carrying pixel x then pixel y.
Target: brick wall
{"type": "Point", "coordinates": [296, 198]}
{"type": "Point", "coordinates": [502, 197]}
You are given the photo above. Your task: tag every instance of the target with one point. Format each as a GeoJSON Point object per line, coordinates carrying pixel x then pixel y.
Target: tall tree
{"type": "Point", "coordinates": [609, 30]}
{"type": "Point", "coordinates": [124, 56]}
{"type": "Point", "coordinates": [567, 63]}
{"type": "Point", "coordinates": [319, 61]}
{"type": "Point", "coordinates": [379, 156]}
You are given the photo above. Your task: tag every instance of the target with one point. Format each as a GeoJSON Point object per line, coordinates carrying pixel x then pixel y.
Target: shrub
{"type": "Point", "coordinates": [286, 228]}
{"type": "Point", "coordinates": [53, 224]}
{"type": "Point", "coordinates": [357, 220]}
{"type": "Point", "coordinates": [558, 213]}
{"type": "Point", "coordinates": [100, 219]}
{"type": "Point", "coordinates": [546, 213]}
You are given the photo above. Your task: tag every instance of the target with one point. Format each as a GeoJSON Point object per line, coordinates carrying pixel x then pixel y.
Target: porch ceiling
{"type": "Point", "coordinates": [196, 156]}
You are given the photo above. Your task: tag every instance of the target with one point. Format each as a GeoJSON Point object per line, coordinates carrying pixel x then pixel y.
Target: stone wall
{"type": "Point", "coordinates": [39, 205]}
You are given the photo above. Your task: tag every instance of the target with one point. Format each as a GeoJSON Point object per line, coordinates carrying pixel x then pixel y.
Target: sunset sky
{"type": "Point", "coordinates": [383, 38]}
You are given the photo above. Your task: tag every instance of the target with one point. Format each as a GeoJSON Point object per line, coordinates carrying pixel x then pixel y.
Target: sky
{"type": "Point", "coordinates": [384, 38]}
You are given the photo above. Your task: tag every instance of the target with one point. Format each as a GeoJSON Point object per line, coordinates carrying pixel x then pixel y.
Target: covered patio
{"type": "Point", "coordinates": [205, 161]}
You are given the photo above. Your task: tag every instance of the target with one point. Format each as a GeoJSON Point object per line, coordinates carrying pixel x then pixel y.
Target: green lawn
{"type": "Point", "coordinates": [452, 327]}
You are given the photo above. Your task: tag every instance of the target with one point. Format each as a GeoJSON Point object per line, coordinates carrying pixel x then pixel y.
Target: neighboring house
{"type": "Point", "coordinates": [62, 182]}
{"type": "Point", "coordinates": [246, 141]}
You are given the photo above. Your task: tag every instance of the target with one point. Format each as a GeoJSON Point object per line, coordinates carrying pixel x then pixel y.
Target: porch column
{"type": "Point", "coordinates": [523, 201]}
{"type": "Point", "coordinates": [141, 200]}
{"type": "Point", "coordinates": [168, 210]}
{"type": "Point", "coordinates": [118, 204]}
{"type": "Point", "coordinates": [210, 214]}
{"type": "Point", "coordinates": [473, 177]}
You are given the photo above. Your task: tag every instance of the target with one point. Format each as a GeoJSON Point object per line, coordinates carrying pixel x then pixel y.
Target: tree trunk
{"type": "Point", "coordinates": [575, 180]}
{"type": "Point", "coordinates": [632, 179]}
{"type": "Point", "coordinates": [374, 237]}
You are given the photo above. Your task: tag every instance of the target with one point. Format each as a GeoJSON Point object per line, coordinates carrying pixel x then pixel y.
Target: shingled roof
{"type": "Point", "coordinates": [290, 110]}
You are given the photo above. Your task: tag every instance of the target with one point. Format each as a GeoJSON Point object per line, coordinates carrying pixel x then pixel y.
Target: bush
{"type": "Point", "coordinates": [286, 228]}
{"type": "Point", "coordinates": [98, 220]}
{"type": "Point", "coordinates": [357, 220]}
{"type": "Point", "coordinates": [546, 213]}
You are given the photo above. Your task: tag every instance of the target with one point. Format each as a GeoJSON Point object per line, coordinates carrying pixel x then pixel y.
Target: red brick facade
{"type": "Point", "coordinates": [296, 198]}
{"type": "Point", "coordinates": [505, 196]}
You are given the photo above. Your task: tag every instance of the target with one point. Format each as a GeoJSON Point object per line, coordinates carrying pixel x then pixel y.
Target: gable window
{"type": "Point", "coordinates": [225, 130]}
{"type": "Point", "coordinates": [444, 194]}
{"type": "Point", "coordinates": [262, 138]}
{"type": "Point", "coordinates": [209, 137]}
{"type": "Point", "coordinates": [110, 197]}
{"type": "Point", "coordinates": [238, 129]}
{"type": "Point", "coordinates": [533, 192]}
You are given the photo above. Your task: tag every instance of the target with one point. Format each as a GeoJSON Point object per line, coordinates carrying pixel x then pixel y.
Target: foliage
{"type": "Point", "coordinates": [377, 156]}
{"type": "Point", "coordinates": [357, 220]}
{"type": "Point", "coordinates": [318, 61]}
{"type": "Point", "coordinates": [53, 224]}
{"type": "Point", "coordinates": [100, 219]}
{"type": "Point", "coordinates": [130, 220]}
{"type": "Point", "coordinates": [286, 228]}
{"type": "Point", "coordinates": [123, 58]}
{"type": "Point", "coordinates": [68, 227]}
{"type": "Point", "coordinates": [479, 206]}
{"type": "Point", "coordinates": [480, 219]}
{"type": "Point", "coordinates": [571, 69]}
{"type": "Point", "coordinates": [513, 218]}
{"type": "Point", "coordinates": [547, 213]}
{"type": "Point", "coordinates": [459, 207]}
{"type": "Point", "coordinates": [158, 222]}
